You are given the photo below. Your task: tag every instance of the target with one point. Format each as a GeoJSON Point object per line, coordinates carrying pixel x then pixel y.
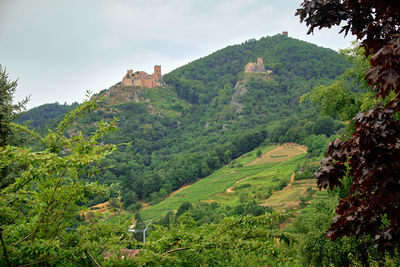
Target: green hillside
{"type": "Point", "coordinates": [209, 114]}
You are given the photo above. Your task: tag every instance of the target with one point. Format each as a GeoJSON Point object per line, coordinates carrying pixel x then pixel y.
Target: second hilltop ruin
{"type": "Point", "coordinates": [255, 67]}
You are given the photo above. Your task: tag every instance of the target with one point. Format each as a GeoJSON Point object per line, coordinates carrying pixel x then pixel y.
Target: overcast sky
{"type": "Point", "coordinates": [60, 49]}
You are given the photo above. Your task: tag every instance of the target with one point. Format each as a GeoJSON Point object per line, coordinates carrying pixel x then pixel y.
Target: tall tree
{"type": "Point", "coordinates": [8, 112]}
{"type": "Point", "coordinates": [371, 156]}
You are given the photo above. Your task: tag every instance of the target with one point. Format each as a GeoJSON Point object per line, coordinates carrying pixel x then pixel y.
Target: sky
{"type": "Point", "coordinates": [60, 49]}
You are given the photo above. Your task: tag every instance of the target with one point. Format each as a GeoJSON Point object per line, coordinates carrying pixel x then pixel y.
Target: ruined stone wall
{"type": "Point", "coordinates": [148, 81]}
{"type": "Point", "coordinates": [142, 79]}
{"type": "Point", "coordinates": [137, 82]}
{"type": "Point", "coordinates": [127, 79]}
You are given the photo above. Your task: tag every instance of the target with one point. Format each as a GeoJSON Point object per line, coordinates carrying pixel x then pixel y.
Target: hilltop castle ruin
{"type": "Point", "coordinates": [255, 67]}
{"type": "Point", "coordinates": [142, 79]}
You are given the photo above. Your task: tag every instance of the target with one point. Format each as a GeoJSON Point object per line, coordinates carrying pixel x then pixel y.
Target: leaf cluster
{"type": "Point", "coordinates": [374, 22]}
{"type": "Point", "coordinates": [40, 220]}
{"type": "Point", "coordinates": [235, 241]}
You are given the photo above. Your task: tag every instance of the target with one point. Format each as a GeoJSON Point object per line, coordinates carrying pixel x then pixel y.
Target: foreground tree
{"type": "Point", "coordinates": [371, 156]}
{"type": "Point", "coordinates": [40, 211]}
{"type": "Point", "coordinates": [235, 241]}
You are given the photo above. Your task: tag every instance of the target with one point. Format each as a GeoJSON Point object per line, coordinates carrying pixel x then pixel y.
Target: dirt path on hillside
{"type": "Point", "coordinates": [291, 180]}
{"type": "Point", "coordinates": [179, 190]}
{"type": "Point", "coordinates": [188, 185]}
{"type": "Point", "coordinates": [231, 189]}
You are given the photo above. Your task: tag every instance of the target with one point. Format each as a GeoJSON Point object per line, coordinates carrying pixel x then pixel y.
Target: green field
{"type": "Point", "coordinates": [242, 176]}
{"type": "Point", "coordinates": [291, 195]}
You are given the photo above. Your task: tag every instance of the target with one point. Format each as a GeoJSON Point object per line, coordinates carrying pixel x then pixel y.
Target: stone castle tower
{"type": "Point", "coordinates": [157, 69]}
{"type": "Point", "coordinates": [157, 72]}
{"type": "Point", "coordinates": [142, 79]}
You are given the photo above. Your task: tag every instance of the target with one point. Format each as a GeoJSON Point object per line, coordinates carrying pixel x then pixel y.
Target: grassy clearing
{"type": "Point", "coordinates": [292, 195]}
{"type": "Point", "coordinates": [241, 176]}
{"type": "Point", "coordinates": [159, 100]}
{"type": "Point", "coordinates": [164, 101]}
{"type": "Point", "coordinates": [284, 198]}
{"type": "Point", "coordinates": [280, 153]}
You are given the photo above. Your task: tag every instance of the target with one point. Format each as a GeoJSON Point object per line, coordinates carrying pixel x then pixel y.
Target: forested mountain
{"type": "Point", "coordinates": [209, 113]}
{"type": "Point", "coordinates": [45, 114]}
{"type": "Point", "coordinates": [292, 62]}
